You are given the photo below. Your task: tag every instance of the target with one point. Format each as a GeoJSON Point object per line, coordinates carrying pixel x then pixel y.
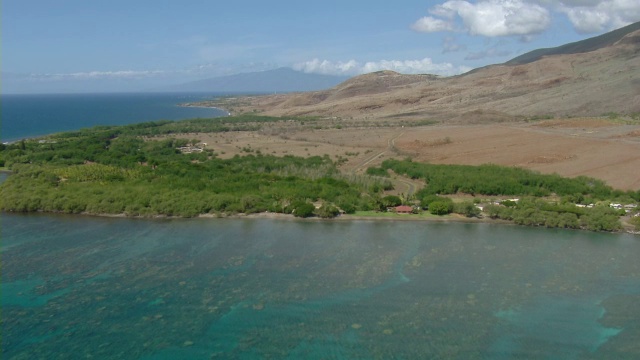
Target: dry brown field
{"type": "Point", "coordinates": [595, 147]}
{"type": "Point", "coordinates": [485, 116]}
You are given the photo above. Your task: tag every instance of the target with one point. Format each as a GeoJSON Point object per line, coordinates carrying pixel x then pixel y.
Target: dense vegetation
{"type": "Point", "coordinates": [500, 180]}
{"type": "Point", "coordinates": [536, 212]}
{"type": "Point", "coordinates": [129, 170]}
{"type": "Point", "coordinates": [532, 210]}
{"type": "Point", "coordinates": [114, 170]}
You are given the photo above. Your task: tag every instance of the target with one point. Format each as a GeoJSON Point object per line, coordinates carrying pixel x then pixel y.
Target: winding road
{"type": "Point", "coordinates": [391, 142]}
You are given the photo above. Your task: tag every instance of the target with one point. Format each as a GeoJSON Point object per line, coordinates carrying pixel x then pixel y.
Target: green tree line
{"type": "Point", "coordinates": [125, 170]}
{"type": "Point", "coordinates": [537, 212]}
{"type": "Point", "coordinates": [114, 170]}
{"type": "Point", "coordinates": [493, 180]}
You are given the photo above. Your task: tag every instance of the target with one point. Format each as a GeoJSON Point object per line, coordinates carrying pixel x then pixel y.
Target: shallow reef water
{"type": "Point", "coordinates": [103, 288]}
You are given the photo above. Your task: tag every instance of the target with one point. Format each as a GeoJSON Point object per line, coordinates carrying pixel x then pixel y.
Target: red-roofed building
{"type": "Point", "coordinates": [404, 209]}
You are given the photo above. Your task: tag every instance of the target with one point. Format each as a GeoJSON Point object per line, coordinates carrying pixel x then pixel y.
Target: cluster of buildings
{"type": "Point", "coordinates": [627, 208]}
{"type": "Point", "coordinates": [190, 148]}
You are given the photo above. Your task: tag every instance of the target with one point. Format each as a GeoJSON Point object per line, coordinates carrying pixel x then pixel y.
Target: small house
{"type": "Point", "coordinates": [404, 209]}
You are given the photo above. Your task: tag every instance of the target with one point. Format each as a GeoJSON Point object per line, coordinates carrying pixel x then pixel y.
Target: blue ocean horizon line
{"type": "Point", "coordinates": [35, 115]}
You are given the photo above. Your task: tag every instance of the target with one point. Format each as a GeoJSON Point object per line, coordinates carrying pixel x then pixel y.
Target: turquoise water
{"type": "Point", "coordinates": [26, 116]}
{"type": "Point", "coordinates": [102, 288]}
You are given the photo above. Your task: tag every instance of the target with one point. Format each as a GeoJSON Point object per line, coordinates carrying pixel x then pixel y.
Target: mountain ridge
{"type": "Point", "coordinates": [577, 47]}
{"type": "Point", "coordinates": [269, 81]}
{"type": "Point", "coordinates": [606, 79]}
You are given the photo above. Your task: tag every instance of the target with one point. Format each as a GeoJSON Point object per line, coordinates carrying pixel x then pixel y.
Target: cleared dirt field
{"type": "Point", "coordinates": [594, 147]}
{"type": "Point", "coordinates": [569, 151]}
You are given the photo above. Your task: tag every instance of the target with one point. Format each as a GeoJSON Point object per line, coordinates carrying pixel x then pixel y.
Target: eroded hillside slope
{"type": "Point", "coordinates": [580, 84]}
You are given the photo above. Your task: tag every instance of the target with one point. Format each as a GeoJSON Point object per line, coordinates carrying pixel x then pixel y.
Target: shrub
{"type": "Point", "coordinates": [347, 207]}
{"type": "Point", "coordinates": [441, 207]}
{"type": "Point", "coordinates": [303, 209]}
{"type": "Point", "coordinates": [328, 211]}
{"type": "Point", "coordinates": [429, 199]}
{"type": "Point", "coordinates": [601, 218]}
{"type": "Point", "coordinates": [391, 201]}
{"type": "Point", "coordinates": [467, 208]}
{"type": "Point", "coordinates": [376, 171]}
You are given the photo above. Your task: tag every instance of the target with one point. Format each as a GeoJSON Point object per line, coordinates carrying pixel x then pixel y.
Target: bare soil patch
{"type": "Point", "coordinates": [566, 153]}
{"type": "Point", "coordinates": [576, 123]}
{"type": "Point", "coordinates": [630, 134]}
{"type": "Point", "coordinates": [593, 147]}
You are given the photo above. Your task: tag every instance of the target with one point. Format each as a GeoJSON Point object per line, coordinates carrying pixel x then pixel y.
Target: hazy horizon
{"type": "Point", "coordinates": [78, 46]}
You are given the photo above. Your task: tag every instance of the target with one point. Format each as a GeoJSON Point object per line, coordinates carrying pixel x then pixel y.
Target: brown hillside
{"type": "Point", "coordinates": [367, 119]}
{"type": "Point", "coordinates": [584, 84]}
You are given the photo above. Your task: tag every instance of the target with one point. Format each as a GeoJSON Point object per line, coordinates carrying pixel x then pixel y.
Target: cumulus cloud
{"type": "Point", "coordinates": [526, 18]}
{"type": "Point", "coordinates": [353, 67]}
{"type": "Point", "coordinates": [430, 24]}
{"type": "Point", "coordinates": [487, 18]}
{"type": "Point", "coordinates": [599, 15]}
{"type": "Point", "coordinates": [327, 67]}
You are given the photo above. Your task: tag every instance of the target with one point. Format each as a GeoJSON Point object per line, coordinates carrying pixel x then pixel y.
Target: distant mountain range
{"type": "Point", "coordinates": [586, 78]}
{"type": "Point", "coordinates": [282, 80]}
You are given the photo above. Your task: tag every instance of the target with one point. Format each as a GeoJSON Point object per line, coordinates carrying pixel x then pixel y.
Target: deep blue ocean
{"type": "Point", "coordinates": [80, 287]}
{"type": "Point", "coordinates": [24, 116]}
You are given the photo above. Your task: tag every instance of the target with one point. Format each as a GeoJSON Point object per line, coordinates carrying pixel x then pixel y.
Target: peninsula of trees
{"type": "Point", "coordinates": [148, 170]}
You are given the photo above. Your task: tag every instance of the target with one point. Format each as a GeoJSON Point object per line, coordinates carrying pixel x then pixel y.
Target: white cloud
{"type": "Point", "coordinates": [327, 67]}
{"type": "Point", "coordinates": [525, 18]}
{"type": "Point", "coordinates": [352, 67]}
{"type": "Point", "coordinates": [572, 2]}
{"type": "Point", "coordinates": [600, 15]}
{"type": "Point", "coordinates": [501, 17]}
{"type": "Point", "coordinates": [225, 68]}
{"type": "Point", "coordinates": [488, 18]}
{"type": "Point", "coordinates": [430, 24]}
{"type": "Point", "coordinates": [588, 21]}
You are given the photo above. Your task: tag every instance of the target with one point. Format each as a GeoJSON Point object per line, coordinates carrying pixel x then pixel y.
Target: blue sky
{"type": "Point", "coordinates": [80, 45]}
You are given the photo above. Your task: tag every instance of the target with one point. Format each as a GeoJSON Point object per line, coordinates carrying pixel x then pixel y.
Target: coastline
{"type": "Point", "coordinates": [280, 216]}
{"type": "Point", "coordinates": [451, 218]}
{"type": "Point", "coordinates": [347, 217]}
{"type": "Point", "coordinates": [190, 105]}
